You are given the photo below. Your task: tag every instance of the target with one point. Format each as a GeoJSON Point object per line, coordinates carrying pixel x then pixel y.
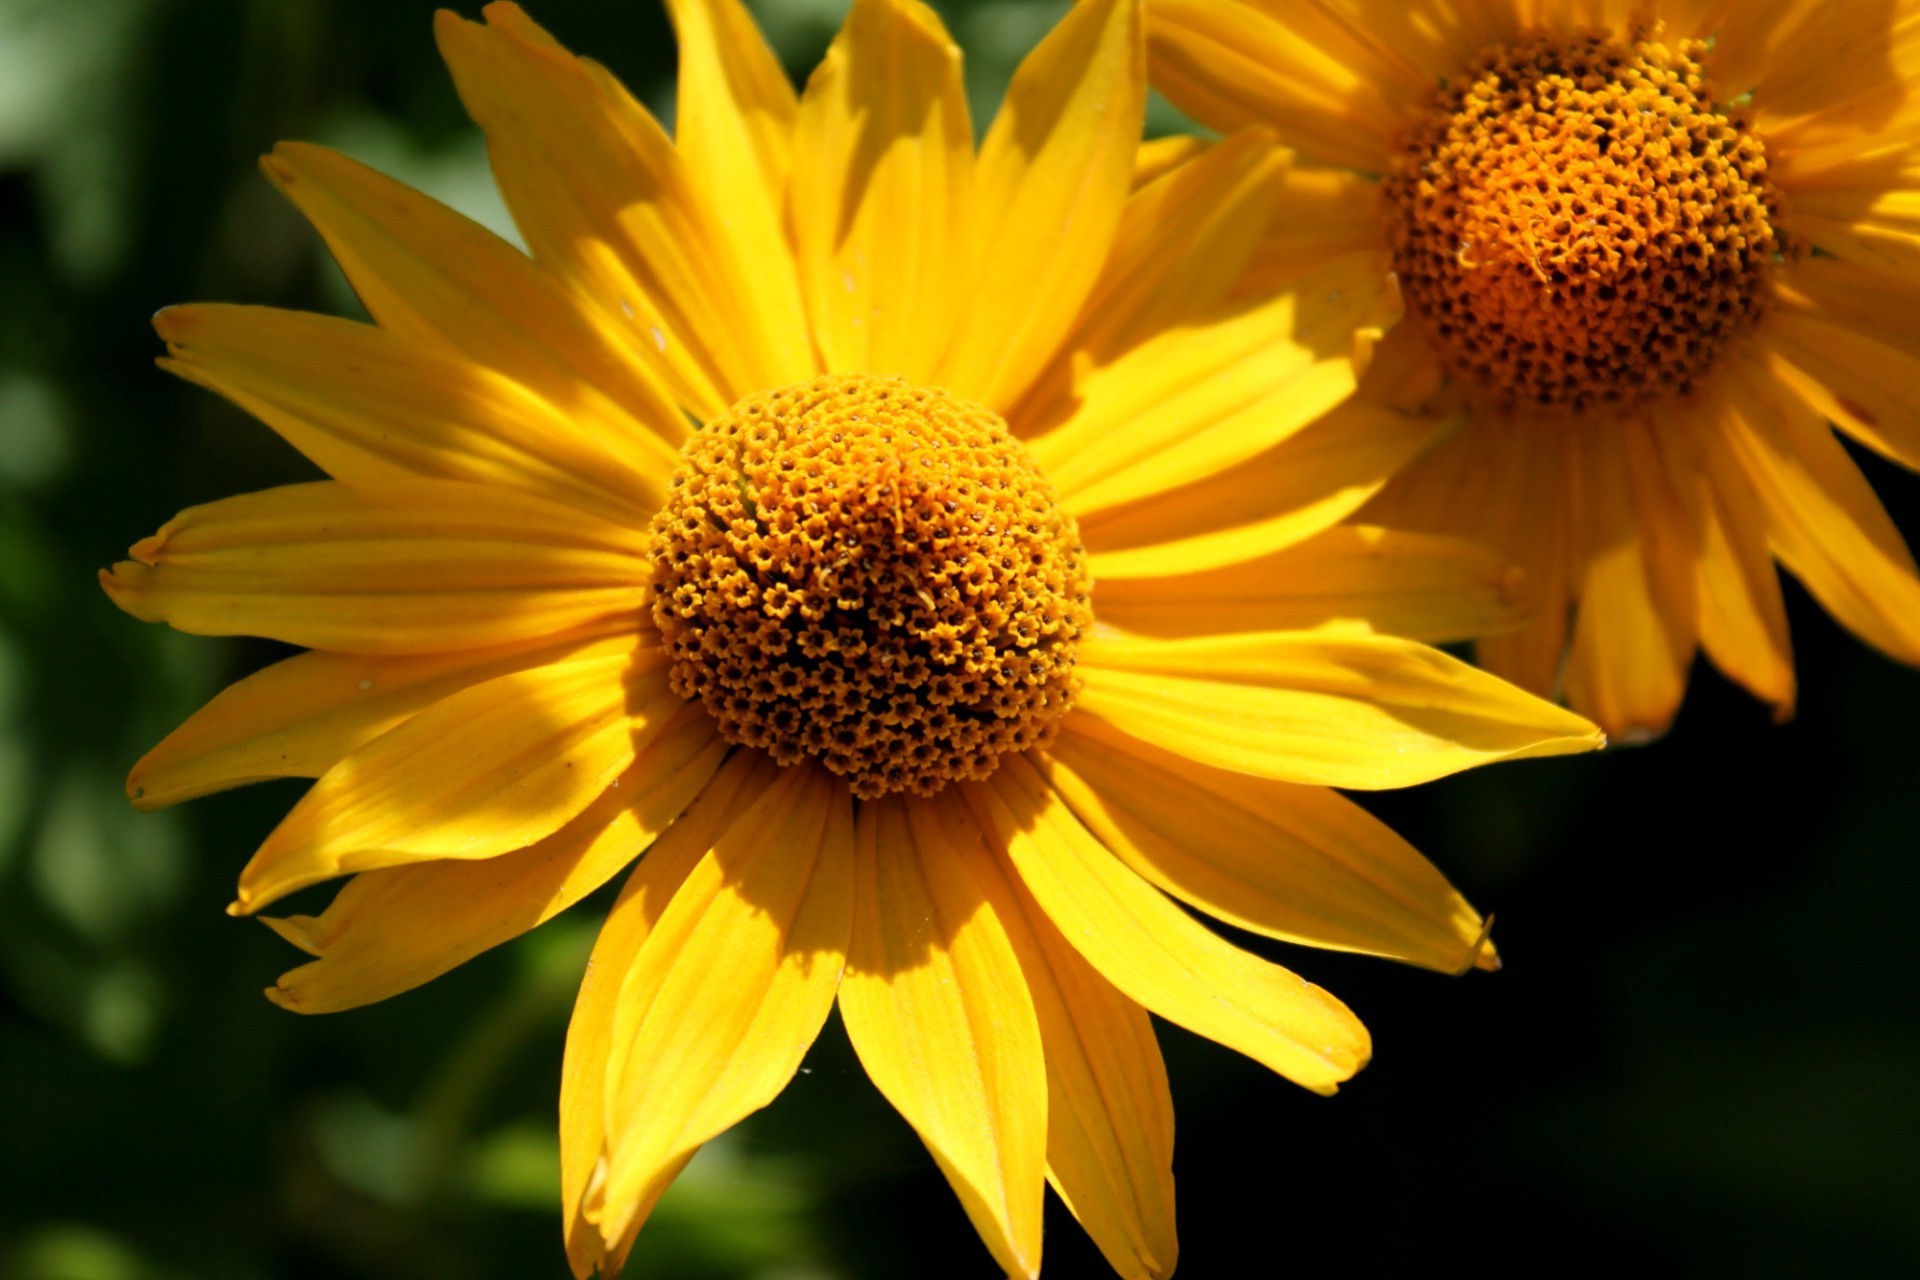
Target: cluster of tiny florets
{"type": "Point", "coordinates": [873, 574]}
{"type": "Point", "coordinates": [1579, 224]}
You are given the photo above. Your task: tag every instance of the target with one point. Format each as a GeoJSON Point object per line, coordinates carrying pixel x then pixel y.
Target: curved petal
{"type": "Point", "coordinates": [733, 128]}
{"type": "Point", "coordinates": [1636, 627]}
{"type": "Point", "coordinates": [430, 566]}
{"type": "Point", "coordinates": [1109, 1111]}
{"type": "Point", "coordinates": [740, 784]}
{"type": "Point", "coordinates": [604, 200]}
{"type": "Point", "coordinates": [1325, 708]}
{"type": "Point", "coordinates": [1159, 157]}
{"type": "Point", "coordinates": [1302, 486]}
{"type": "Point", "coordinates": [303, 715]}
{"type": "Point", "coordinates": [733, 983]}
{"type": "Point", "coordinates": [1155, 953]}
{"type": "Point", "coordinates": [1182, 243]}
{"type": "Point", "coordinates": [1825, 523]}
{"type": "Point", "coordinates": [488, 770]}
{"type": "Point", "coordinates": [1051, 182]}
{"type": "Point", "coordinates": [1302, 864]}
{"type": "Point", "coordinates": [430, 275]}
{"type": "Point", "coordinates": [1422, 586]}
{"type": "Point", "coordinates": [369, 407]}
{"type": "Point", "coordinates": [938, 1010]}
{"type": "Point", "coordinates": [882, 190]}
{"type": "Point", "coordinates": [391, 930]}
{"type": "Point", "coordinates": [1843, 339]}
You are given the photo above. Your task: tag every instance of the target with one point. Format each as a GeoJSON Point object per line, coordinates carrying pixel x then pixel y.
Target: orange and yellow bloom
{"type": "Point", "coordinates": [1654, 250]}
{"type": "Point", "coordinates": [914, 556]}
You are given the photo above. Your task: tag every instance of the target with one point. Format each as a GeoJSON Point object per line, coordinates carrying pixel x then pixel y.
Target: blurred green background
{"type": "Point", "coordinates": [1702, 1057]}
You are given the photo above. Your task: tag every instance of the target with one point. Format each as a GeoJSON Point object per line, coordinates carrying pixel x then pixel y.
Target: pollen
{"type": "Point", "coordinates": [1579, 226]}
{"type": "Point", "coordinates": [872, 574]}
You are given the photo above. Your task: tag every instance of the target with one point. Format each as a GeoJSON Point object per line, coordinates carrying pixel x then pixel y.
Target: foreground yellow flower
{"type": "Point", "coordinates": [1655, 258]}
{"type": "Point", "coordinates": [834, 660]}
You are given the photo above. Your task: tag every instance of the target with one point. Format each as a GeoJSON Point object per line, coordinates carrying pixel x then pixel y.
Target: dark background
{"type": "Point", "coordinates": [1702, 1056]}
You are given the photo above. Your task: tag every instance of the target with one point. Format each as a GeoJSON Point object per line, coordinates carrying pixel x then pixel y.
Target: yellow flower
{"type": "Point", "coordinates": [1655, 249]}
{"type": "Point", "coordinates": [833, 659]}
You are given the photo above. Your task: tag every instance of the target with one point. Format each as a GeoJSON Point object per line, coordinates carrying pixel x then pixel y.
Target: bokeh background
{"type": "Point", "coordinates": [1703, 1055]}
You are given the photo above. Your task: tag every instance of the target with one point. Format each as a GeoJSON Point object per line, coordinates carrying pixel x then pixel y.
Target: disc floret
{"type": "Point", "coordinates": [873, 574]}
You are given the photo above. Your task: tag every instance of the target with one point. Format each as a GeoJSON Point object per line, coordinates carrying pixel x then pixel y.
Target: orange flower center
{"type": "Point", "coordinates": [873, 574]}
{"type": "Point", "coordinates": [1579, 225]}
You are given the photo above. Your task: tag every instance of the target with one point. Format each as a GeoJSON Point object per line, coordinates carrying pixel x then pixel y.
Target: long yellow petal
{"type": "Point", "coordinates": [430, 566]}
{"type": "Point", "coordinates": [730, 988]}
{"type": "Point", "coordinates": [303, 715]}
{"type": "Point", "coordinates": [1422, 586]}
{"type": "Point", "coordinates": [733, 128]}
{"type": "Point", "coordinates": [1302, 486]}
{"type": "Point", "coordinates": [1154, 952]}
{"type": "Point", "coordinates": [602, 197]}
{"type": "Point", "coordinates": [1109, 1112]}
{"type": "Point", "coordinates": [1825, 523]}
{"type": "Point", "coordinates": [390, 930]}
{"type": "Point", "coordinates": [368, 406]}
{"type": "Point", "coordinates": [739, 784]}
{"type": "Point", "coordinates": [1198, 400]}
{"type": "Point", "coordinates": [1743, 618]}
{"type": "Point", "coordinates": [1863, 210]}
{"type": "Point", "coordinates": [937, 1008]}
{"type": "Point", "coordinates": [1159, 157]}
{"type": "Point", "coordinates": [882, 191]}
{"type": "Point", "coordinates": [1842, 338]}
{"type": "Point", "coordinates": [1231, 65]}
{"type": "Point", "coordinates": [1182, 243]}
{"type": "Point", "coordinates": [1302, 864]}
{"type": "Point", "coordinates": [1051, 182]}
{"type": "Point", "coordinates": [1328, 708]}
{"type": "Point", "coordinates": [430, 275]}
{"type": "Point", "coordinates": [488, 770]}
{"type": "Point", "coordinates": [1637, 624]}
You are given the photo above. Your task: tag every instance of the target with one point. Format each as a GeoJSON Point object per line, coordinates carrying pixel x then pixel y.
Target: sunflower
{"type": "Point", "coordinates": [1655, 251]}
{"type": "Point", "coordinates": [752, 522]}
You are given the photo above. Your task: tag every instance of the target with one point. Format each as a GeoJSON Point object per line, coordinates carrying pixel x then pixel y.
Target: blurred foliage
{"type": "Point", "coordinates": [1700, 1058]}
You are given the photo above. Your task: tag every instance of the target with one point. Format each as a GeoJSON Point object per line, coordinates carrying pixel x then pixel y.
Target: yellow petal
{"type": "Point", "coordinates": [367, 406]}
{"type": "Point", "coordinates": [604, 200]}
{"type": "Point", "coordinates": [937, 1008]}
{"type": "Point", "coordinates": [1299, 70]}
{"type": "Point", "coordinates": [1302, 486]}
{"type": "Point", "coordinates": [1743, 619]}
{"type": "Point", "coordinates": [1302, 864]}
{"type": "Point", "coordinates": [882, 191]}
{"type": "Point", "coordinates": [1836, 78]}
{"type": "Point", "coordinates": [1863, 210]}
{"type": "Point", "coordinates": [1154, 952]}
{"type": "Point", "coordinates": [739, 784]}
{"type": "Point", "coordinates": [1051, 181]}
{"type": "Point", "coordinates": [430, 275]}
{"type": "Point", "coordinates": [1195, 401]}
{"type": "Point", "coordinates": [1109, 1113]}
{"type": "Point", "coordinates": [1636, 629]}
{"type": "Point", "coordinates": [1325, 708]}
{"type": "Point", "coordinates": [488, 770]}
{"type": "Point", "coordinates": [733, 128]}
{"type": "Point", "coordinates": [1324, 215]}
{"type": "Point", "coordinates": [1465, 487]}
{"type": "Point", "coordinates": [1419, 585]}
{"type": "Point", "coordinates": [430, 566]}
{"type": "Point", "coordinates": [1158, 157]}
{"type": "Point", "coordinates": [1825, 523]}
{"type": "Point", "coordinates": [390, 930]}
{"type": "Point", "coordinates": [1182, 243]}
{"type": "Point", "coordinates": [1842, 338]}
{"type": "Point", "coordinates": [731, 986]}
{"type": "Point", "coordinates": [303, 715]}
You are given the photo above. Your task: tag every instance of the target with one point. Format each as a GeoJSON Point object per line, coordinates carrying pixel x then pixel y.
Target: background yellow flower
{"type": "Point", "coordinates": [1656, 249]}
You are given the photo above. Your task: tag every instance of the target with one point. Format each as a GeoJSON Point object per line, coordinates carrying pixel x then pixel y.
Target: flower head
{"type": "Point", "coordinates": [913, 556]}
{"type": "Point", "coordinates": [1654, 250]}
